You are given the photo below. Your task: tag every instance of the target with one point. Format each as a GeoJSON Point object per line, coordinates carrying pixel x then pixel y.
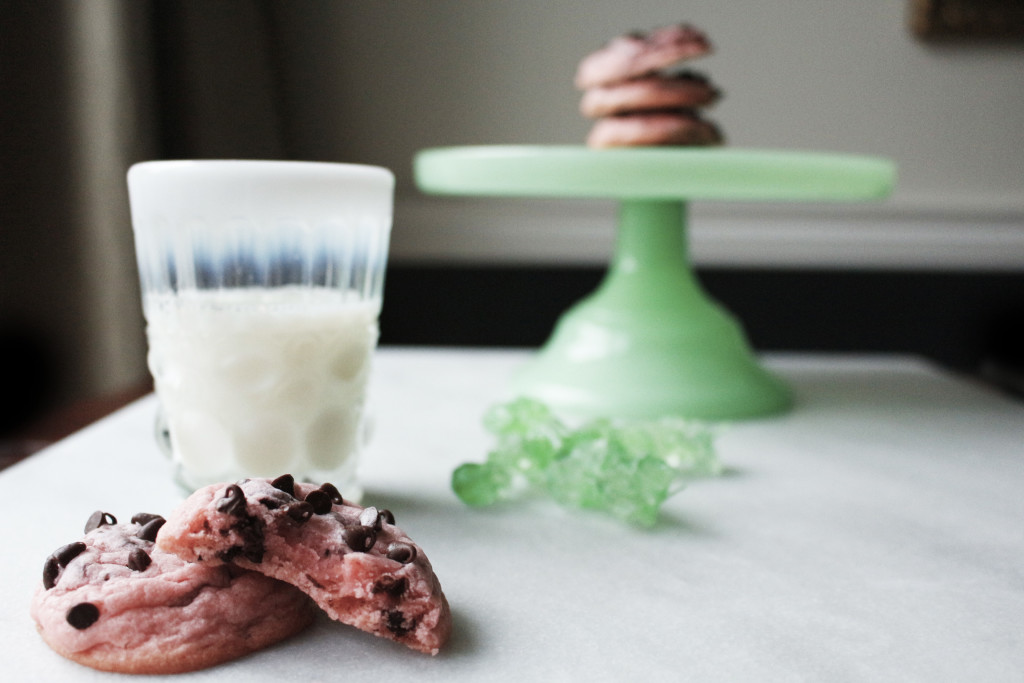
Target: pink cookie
{"type": "Point", "coordinates": [115, 602]}
{"type": "Point", "coordinates": [353, 561]}
{"type": "Point", "coordinates": [687, 90]}
{"type": "Point", "coordinates": [652, 129]}
{"type": "Point", "coordinates": [639, 54]}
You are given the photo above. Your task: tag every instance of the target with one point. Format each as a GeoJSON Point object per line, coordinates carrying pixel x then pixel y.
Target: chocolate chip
{"type": "Point", "coordinates": [300, 511]}
{"type": "Point", "coordinates": [229, 554]}
{"type": "Point", "coordinates": [320, 501]}
{"type": "Point", "coordinates": [393, 586]}
{"type": "Point", "coordinates": [149, 529]}
{"type": "Point", "coordinates": [233, 502]}
{"type": "Point", "coordinates": [253, 552]}
{"type": "Point", "coordinates": [98, 519]}
{"type": "Point", "coordinates": [251, 531]}
{"type": "Point", "coordinates": [144, 518]}
{"type": "Point", "coordinates": [51, 570]}
{"type": "Point", "coordinates": [387, 516]}
{"type": "Point", "coordinates": [359, 538]}
{"type": "Point", "coordinates": [276, 499]}
{"type": "Point", "coordinates": [370, 517]}
{"type": "Point", "coordinates": [83, 615]}
{"type": "Point", "coordinates": [138, 560]}
{"type": "Point", "coordinates": [689, 75]}
{"type": "Point", "coordinates": [395, 623]}
{"type": "Point", "coordinates": [286, 483]}
{"type": "Point", "coordinates": [333, 492]}
{"type": "Point", "coordinates": [250, 551]}
{"type": "Point", "coordinates": [66, 553]}
{"type": "Point", "coordinates": [401, 552]}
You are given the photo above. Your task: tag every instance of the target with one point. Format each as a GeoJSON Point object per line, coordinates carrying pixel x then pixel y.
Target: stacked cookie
{"type": "Point", "coordinates": [236, 568]}
{"type": "Point", "coordinates": [637, 100]}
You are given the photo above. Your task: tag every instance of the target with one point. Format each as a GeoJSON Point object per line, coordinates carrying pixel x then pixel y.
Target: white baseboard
{"type": "Point", "coordinates": [891, 235]}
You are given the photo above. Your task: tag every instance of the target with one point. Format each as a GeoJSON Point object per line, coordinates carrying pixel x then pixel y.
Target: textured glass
{"type": "Point", "coordinates": [262, 285]}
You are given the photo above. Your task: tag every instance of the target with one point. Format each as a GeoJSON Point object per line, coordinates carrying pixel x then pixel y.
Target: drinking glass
{"type": "Point", "coordinates": [262, 285]}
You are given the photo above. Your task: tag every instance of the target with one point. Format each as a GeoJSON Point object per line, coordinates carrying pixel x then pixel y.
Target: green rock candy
{"type": "Point", "coordinates": [625, 468]}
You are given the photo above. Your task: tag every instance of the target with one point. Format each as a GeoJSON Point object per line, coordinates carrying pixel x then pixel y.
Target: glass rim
{"type": "Point", "coordinates": [261, 167]}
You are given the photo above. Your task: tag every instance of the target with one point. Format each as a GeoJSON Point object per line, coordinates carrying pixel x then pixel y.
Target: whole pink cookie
{"type": "Point", "coordinates": [653, 129]}
{"type": "Point", "coordinates": [685, 90]}
{"type": "Point", "coordinates": [638, 54]}
{"type": "Point", "coordinates": [115, 602]}
{"type": "Point", "coordinates": [353, 561]}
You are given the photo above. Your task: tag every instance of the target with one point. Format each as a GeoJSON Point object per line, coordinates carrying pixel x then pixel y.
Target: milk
{"type": "Point", "coordinates": [263, 381]}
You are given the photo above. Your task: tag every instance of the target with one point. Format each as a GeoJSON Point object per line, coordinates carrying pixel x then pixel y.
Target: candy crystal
{"type": "Point", "coordinates": [625, 468]}
{"type": "Point", "coordinates": [480, 484]}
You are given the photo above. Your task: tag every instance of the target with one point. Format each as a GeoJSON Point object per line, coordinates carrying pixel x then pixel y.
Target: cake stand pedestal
{"type": "Point", "coordinates": [649, 342]}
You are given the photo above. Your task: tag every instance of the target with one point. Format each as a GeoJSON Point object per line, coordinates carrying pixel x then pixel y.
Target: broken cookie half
{"type": "Point", "coordinates": [355, 563]}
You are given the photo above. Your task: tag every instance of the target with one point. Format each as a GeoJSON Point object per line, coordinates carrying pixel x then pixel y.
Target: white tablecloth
{"type": "Point", "coordinates": [875, 533]}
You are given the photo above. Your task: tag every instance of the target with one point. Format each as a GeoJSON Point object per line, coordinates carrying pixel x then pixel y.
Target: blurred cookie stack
{"type": "Point", "coordinates": [635, 97]}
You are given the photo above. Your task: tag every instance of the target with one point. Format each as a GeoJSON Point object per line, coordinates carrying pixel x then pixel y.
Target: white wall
{"type": "Point", "coordinates": [381, 80]}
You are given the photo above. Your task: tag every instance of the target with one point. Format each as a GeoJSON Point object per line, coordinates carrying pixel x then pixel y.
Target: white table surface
{"type": "Point", "coordinates": [875, 533]}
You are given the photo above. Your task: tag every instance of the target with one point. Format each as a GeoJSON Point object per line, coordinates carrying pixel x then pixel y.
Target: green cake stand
{"type": "Point", "coordinates": [649, 342]}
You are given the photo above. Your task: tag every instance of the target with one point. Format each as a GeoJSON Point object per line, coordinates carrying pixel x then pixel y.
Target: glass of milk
{"type": "Point", "coordinates": [262, 286]}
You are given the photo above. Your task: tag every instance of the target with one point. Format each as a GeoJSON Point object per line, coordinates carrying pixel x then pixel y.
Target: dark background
{"type": "Point", "coordinates": [967, 322]}
{"type": "Point", "coordinates": [266, 79]}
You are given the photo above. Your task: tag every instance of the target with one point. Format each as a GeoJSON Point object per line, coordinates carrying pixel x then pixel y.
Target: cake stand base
{"type": "Point", "coordinates": [649, 342]}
